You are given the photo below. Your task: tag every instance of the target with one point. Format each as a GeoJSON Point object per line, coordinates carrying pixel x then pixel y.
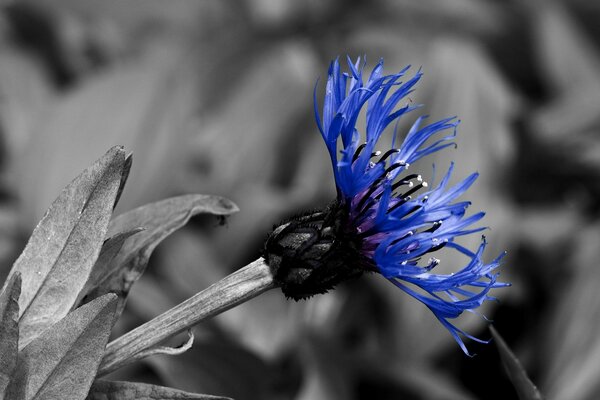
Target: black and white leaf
{"type": "Point", "coordinates": [64, 246]}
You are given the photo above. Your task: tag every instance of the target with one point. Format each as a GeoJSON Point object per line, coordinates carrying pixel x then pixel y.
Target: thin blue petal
{"type": "Point", "coordinates": [399, 218]}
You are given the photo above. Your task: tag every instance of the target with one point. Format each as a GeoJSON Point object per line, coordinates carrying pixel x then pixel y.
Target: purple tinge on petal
{"type": "Point", "coordinates": [396, 216]}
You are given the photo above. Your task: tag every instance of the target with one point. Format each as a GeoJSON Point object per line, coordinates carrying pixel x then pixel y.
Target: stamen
{"type": "Point", "coordinates": [405, 180]}
{"type": "Point", "coordinates": [375, 185]}
{"type": "Point", "coordinates": [414, 189]}
{"type": "Point", "coordinates": [436, 225]}
{"type": "Point", "coordinates": [387, 154]}
{"type": "Point", "coordinates": [358, 151]}
{"type": "Point", "coordinates": [390, 169]}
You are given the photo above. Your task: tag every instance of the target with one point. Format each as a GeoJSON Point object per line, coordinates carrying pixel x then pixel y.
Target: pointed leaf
{"type": "Point", "coordinates": [63, 361]}
{"type": "Point", "coordinates": [517, 374]}
{"type": "Point", "coordinates": [114, 390]}
{"type": "Point", "coordinates": [159, 220]}
{"type": "Point", "coordinates": [124, 175]}
{"type": "Point", "coordinates": [9, 330]}
{"type": "Point", "coordinates": [110, 249]}
{"type": "Point", "coordinates": [60, 254]}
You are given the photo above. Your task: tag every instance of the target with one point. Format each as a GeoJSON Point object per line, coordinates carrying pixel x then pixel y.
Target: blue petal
{"type": "Point", "coordinates": [344, 102]}
{"type": "Point", "coordinates": [476, 274]}
{"type": "Point", "coordinates": [397, 229]}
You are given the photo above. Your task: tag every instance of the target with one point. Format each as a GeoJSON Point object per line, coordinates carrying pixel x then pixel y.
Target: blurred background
{"type": "Point", "coordinates": [216, 97]}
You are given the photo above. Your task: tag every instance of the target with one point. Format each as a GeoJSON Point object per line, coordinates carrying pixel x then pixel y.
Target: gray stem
{"type": "Point", "coordinates": [242, 285]}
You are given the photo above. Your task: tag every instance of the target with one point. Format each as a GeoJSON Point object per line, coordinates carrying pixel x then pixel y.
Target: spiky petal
{"type": "Point", "coordinates": [397, 217]}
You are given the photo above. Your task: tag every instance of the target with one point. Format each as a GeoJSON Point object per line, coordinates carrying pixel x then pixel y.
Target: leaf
{"type": "Point", "coordinates": [517, 374]}
{"type": "Point", "coordinates": [62, 363]}
{"type": "Point", "coordinates": [165, 350]}
{"type": "Point", "coordinates": [124, 175]}
{"type": "Point", "coordinates": [110, 249]}
{"type": "Point", "coordinates": [9, 330]}
{"type": "Point", "coordinates": [59, 256]}
{"type": "Point", "coordinates": [114, 390]}
{"type": "Point", "coordinates": [159, 220]}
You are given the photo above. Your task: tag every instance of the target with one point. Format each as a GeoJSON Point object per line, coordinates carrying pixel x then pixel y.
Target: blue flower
{"type": "Point", "coordinates": [398, 218]}
{"type": "Point", "coordinates": [385, 219]}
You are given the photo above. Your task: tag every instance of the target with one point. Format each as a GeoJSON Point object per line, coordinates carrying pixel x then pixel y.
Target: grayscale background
{"type": "Point", "coordinates": [215, 96]}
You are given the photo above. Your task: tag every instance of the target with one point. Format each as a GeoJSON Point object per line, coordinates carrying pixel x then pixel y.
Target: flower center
{"type": "Point", "coordinates": [366, 205]}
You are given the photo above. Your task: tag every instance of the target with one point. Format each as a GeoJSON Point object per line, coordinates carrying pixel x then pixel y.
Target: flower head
{"type": "Point", "coordinates": [385, 219]}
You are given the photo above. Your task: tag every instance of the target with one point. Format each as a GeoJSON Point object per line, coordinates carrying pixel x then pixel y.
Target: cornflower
{"type": "Point", "coordinates": [384, 219]}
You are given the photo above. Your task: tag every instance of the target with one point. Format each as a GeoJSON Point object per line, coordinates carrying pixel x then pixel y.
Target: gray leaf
{"type": "Point", "coordinates": [9, 330]}
{"type": "Point", "coordinates": [124, 175]}
{"type": "Point", "coordinates": [62, 362]}
{"type": "Point", "coordinates": [165, 350]}
{"type": "Point", "coordinates": [110, 249]}
{"type": "Point", "coordinates": [159, 220]}
{"type": "Point", "coordinates": [114, 390]}
{"type": "Point", "coordinates": [517, 374]}
{"type": "Point", "coordinates": [60, 254]}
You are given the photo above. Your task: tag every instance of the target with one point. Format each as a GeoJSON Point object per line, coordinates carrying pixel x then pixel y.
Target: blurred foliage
{"type": "Point", "coordinates": [216, 97]}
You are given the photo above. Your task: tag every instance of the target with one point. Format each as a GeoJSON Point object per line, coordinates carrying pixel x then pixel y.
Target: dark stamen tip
{"type": "Point", "coordinates": [358, 151]}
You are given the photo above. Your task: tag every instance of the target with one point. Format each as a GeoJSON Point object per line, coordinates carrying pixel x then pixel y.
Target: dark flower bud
{"type": "Point", "coordinates": [311, 253]}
